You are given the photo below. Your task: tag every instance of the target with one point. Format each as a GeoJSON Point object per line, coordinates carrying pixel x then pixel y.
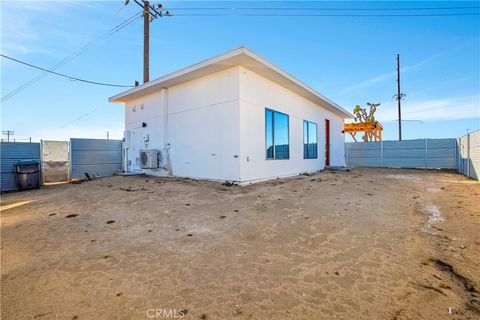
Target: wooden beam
{"type": "Point", "coordinates": [372, 130]}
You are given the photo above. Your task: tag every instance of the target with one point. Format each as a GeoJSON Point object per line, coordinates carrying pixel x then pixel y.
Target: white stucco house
{"type": "Point", "coordinates": [234, 117]}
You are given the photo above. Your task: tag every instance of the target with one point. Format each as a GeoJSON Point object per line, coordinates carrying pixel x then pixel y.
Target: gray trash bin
{"type": "Point", "coordinates": [28, 174]}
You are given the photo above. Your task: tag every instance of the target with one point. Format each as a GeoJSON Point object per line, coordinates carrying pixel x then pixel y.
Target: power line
{"type": "Point", "coordinates": [79, 118]}
{"type": "Point", "coordinates": [63, 75]}
{"type": "Point", "coordinates": [316, 15]}
{"type": "Point", "coordinates": [323, 9]}
{"type": "Point", "coordinates": [73, 55]}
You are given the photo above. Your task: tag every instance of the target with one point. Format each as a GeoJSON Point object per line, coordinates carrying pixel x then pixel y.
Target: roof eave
{"type": "Point", "coordinates": [206, 64]}
{"type": "Point", "coordinates": [123, 96]}
{"type": "Point", "coordinates": [291, 78]}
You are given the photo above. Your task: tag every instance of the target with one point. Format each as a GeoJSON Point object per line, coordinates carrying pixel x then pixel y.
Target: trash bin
{"type": "Point", "coordinates": [28, 174]}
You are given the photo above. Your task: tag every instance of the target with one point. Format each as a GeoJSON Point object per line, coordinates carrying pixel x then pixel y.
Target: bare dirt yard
{"type": "Point", "coordinates": [365, 244]}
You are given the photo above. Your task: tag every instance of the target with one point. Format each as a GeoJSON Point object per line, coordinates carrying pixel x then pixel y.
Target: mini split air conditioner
{"type": "Point", "coordinates": [149, 158]}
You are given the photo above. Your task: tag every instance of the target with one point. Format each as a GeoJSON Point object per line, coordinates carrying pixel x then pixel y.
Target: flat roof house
{"type": "Point", "coordinates": [234, 117]}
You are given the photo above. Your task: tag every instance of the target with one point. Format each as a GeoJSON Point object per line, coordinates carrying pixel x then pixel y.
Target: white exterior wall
{"type": "Point", "coordinates": [258, 93]}
{"type": "Point", "coordinates": [214, 123]}
{"type": "Point", "coordinates": [149, 109]}
{"type": "Point", "coordinates": [203, 127]}
{"type": "Point", "coordinates": [199, 121]}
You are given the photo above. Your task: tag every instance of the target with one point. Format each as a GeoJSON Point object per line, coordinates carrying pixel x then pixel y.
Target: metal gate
{"type": "Point", "coordinates": [95, 157]}
{"type": "Point", "coordinates": [55, 163]}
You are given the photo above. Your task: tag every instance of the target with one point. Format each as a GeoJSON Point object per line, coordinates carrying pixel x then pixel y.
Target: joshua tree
{"type": "Point", "coordinates": [362, 116]}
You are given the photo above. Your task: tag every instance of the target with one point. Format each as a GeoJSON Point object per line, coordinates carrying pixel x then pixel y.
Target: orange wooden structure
{"type": "Point", "coordinates": [373, 130]}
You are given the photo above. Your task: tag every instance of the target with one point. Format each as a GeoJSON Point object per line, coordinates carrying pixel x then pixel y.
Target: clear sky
{"type": "Point", "coordinates": [351, 60]}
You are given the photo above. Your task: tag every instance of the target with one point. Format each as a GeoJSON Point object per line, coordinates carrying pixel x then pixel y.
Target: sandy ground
{"type": "Point", "coordinates": [366, 244]}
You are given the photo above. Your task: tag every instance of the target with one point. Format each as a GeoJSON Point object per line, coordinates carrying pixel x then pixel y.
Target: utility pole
{"type": "Point", "coordinates": [146, 41]}
{"type": "Point", "coordinates": [8, 133]}
{"type": "Point", "coordinates": [399, 98]}
{"type": "Point", "coordinates": [150, 12]}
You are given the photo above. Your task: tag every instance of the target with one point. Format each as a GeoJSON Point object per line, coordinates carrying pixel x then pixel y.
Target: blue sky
{"type": "Point", "coordinates": [351, 60]}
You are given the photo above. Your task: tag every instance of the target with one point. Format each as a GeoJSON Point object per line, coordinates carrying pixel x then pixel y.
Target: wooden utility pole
{"type": "Point", "coordinates": [399, 98]}
{"type": "Point", "coordinates": [146, 41]}
{"type": "Point", "coordinates": [149, 12]}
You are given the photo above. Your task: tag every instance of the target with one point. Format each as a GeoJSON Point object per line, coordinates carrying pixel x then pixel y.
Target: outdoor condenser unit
{"type": "Point", "coordinates": [149, 158]}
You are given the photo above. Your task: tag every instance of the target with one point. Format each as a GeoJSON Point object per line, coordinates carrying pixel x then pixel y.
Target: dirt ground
{"type": "Point", "coordinates": [365, 244]}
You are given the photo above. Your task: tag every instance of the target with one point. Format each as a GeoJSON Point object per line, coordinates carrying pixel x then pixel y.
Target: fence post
{"type": "Point", "coordinates": [381, 153]}
{"type": "Point", "coordinates": [346, 153]}
{"type": "Point", "coordinates": [468, 155]}
{"type": "Point", "coordinates": [69, 173]}
{"type": "Point", "coordinates": [456, 155]}
{"type": "Point", "coordinates": [426, 152]}
{"type": "Point", "coordinates": [461, 165]}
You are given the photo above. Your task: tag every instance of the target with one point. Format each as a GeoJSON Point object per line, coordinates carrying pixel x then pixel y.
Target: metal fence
{"type": "Point", "coordinates": [97, 157]}
{"type": "Point", "coordinates": [55, 164]}
{"type": "Point", "coordinates": [61, 160]}
{"type": "Point", "coordinates": [469, 154]}
{"type": "Point", "coordinates": [10, 154]}
{"type": "Point", "coordinates": [419, 153]}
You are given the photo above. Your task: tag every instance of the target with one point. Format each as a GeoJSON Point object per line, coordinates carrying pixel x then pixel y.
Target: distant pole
{"type": "Point", "coordinates": [399, 98]}
{"type": "Point", "coordinates": [146, 41]}
{"type": "Point", "coordinates": [30, 139]}
{"type": "Point", "coordinates": [8, 133]}
{"type": "Point", "coordinates": [108, 136]}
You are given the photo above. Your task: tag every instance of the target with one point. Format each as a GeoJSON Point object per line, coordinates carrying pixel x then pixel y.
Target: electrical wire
{"type": "Point", "coordinates": [73, 55]}
{"type": "Point", "coordinates": [322, 9]}
{"type": "Point", "coordinates": [317, 15]}
{"type": "Point", "coordinates": [139, 14]}
{"type": "Point", "coordinates": [293, 11]}
{"type": "Point", "coordinates": [63, 75]}
{"type": "Point", "coordinates": [79, 118]}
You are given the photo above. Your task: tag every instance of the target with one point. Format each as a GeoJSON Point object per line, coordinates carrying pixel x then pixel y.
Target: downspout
{"type": "Point", "coordinates": [125, 143]}
{"type": "Point", "coordinates": [165, 131]}
{"type": "Point", "coordinates": [347, 145]}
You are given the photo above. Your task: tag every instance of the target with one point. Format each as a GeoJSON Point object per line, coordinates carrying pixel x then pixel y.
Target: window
{"type": "Point", "coordinates": [309, 140]}
{"type": "Point", "coordinates": [276, 135]}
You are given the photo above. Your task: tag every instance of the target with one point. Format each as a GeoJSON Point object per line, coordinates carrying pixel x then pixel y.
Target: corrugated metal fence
{"type": "Point", "coordinates": [469, 154]}
{"type": "Point", "coordinates": [97, 157]}
{"type": "Point", "coordinates": [10, 154]}
{"type": "Point", "coordinates": [419, 153]}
